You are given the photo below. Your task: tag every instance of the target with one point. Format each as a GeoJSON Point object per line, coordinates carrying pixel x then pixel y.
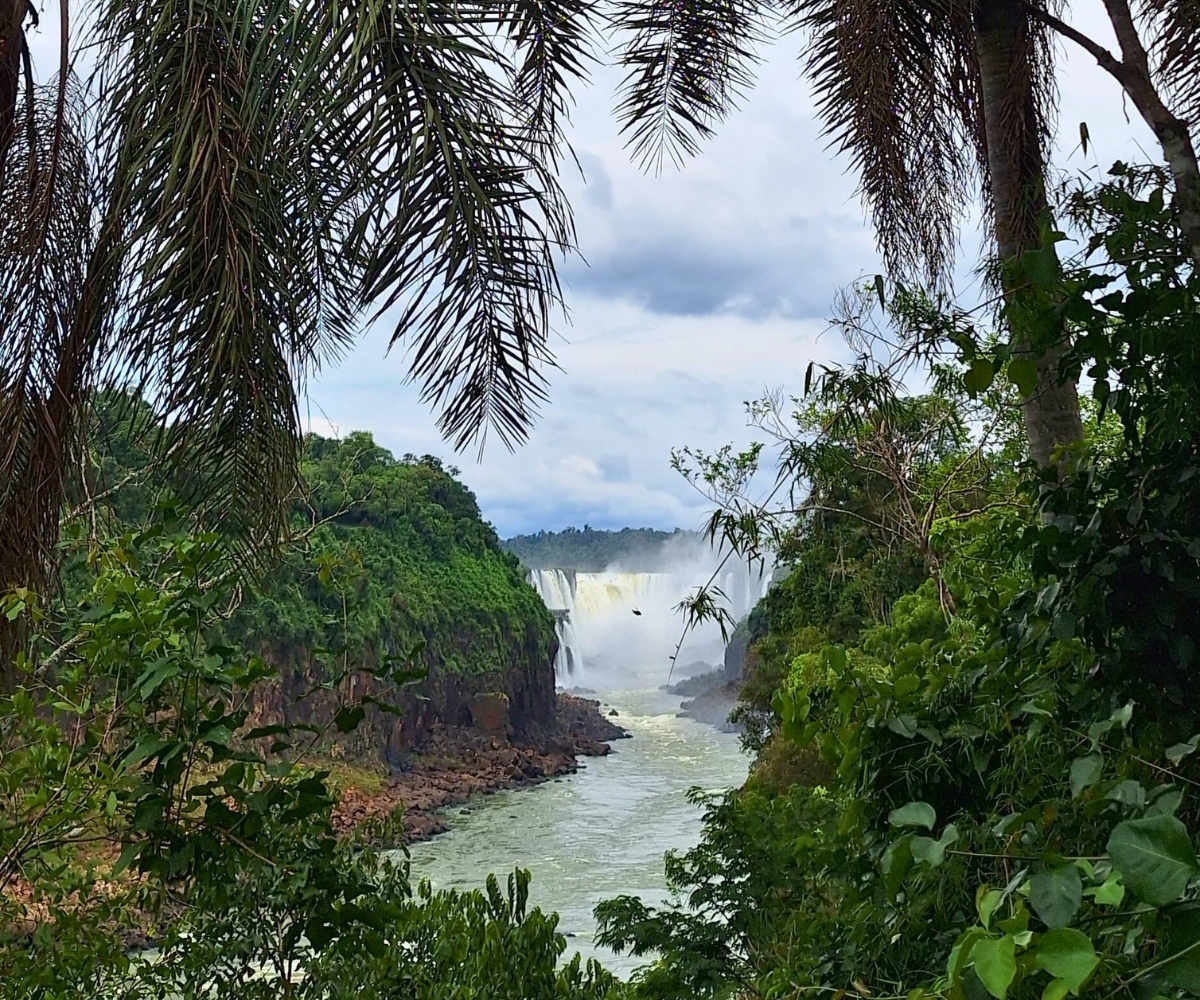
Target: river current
{"type": "Point", "coordinates": [599, 833]}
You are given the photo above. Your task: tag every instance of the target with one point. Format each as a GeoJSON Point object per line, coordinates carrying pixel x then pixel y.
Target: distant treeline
{"type": "Point", "coordinates": [592, 551]}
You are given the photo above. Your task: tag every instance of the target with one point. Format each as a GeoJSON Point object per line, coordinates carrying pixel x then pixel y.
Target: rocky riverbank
{"type": "Point", "coordinates": [455, 763]}
{"type": "Point", "coordinates": [712, 694]}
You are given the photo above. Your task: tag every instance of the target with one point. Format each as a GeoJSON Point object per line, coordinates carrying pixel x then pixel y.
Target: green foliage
{"type": "Point", "coordinates": [592, 551]}
{"type": "Point", "coordinates": [387, 558]}
{"type": "Point", "coordinates": [136, 793]}
{"type": "Point", "coordinates": [1000, 804]}
{"type": "Point", "coordinates": [395, 554]}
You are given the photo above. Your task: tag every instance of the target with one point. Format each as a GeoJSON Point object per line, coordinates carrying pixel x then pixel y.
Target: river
{"type": "Point", "coordinates": [599, 833]}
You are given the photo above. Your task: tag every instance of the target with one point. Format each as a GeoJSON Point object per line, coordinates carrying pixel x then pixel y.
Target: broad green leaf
{"type": "Point", "coordinates": [1068, 955]}
{"type": "Point", "coordinates": [1023, 374]}
{"type": "Point", "coordinates": [1018, 923]}
{"type": "Point", "coordinates": [914, 814]}
{"type": "Point", "coordinates": [961, 953]}
{"type": "Point", "coordinates": [995, 961]}
{"type": "Point", "coordinates": [1098, 730]}
{"type": "Point", "coordinates": [1122, 716]}
{"type": "Point", "coordinates": [1085, 772]}
{"type": "Point", "coordinates": [1055, 895]}
{"type": "Point", "coordinates": [1056, 989]}
{"type": "Point", "coordinates": [1111, 892]}
{"type": "Point", "coordinates": [1128, 792]}
{"type": "Point", "coordinates": [979, 376]}
{"type": "Point", "coordinates": [155, 677]}
{"type": "Point", "coordinates": [933, 852]}
{"type": "Point", "coordinates": [129, 853]}
{"type": "Point", "coordinates": [147, 748]}
{"type": "Point", "coordinates": [348, 717]}
{"type": "Point", "coordinates": [1180, 750]}
{"type": "Point", "coordinates": [1064, 625]}
{"type": "Point", "coordinates": [986, 901]}
{"type": "Point", "coordinates": [1007, 824]}
{"type": "Point", "coordinates": [1154, 856]}
{"type": "Point", "coordinates": [1183, 941]}
{"type": "Point", "coordinates": [1165, 801]}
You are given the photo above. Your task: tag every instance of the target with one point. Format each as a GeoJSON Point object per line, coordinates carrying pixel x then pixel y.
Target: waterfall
{"type": "Point", "coordinates": [557, 590]}
{"type": "Point", "coordinates": [622, 628]}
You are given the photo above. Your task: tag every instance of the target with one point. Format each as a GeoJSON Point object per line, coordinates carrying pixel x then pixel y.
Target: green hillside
{"type": "Point", "coordinates": [399, 554]}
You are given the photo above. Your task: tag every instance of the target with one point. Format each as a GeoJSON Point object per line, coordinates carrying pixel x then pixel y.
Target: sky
{"type": "Point", "coordinates": [695, 290]}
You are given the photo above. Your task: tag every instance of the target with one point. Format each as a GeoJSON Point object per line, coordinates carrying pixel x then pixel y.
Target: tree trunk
{"type": "Point", "coordinates": [12, 48]}
{"type": "Point", "coordinates": [1171, 132]}
{"type": "Point", "coordinates": [1021, 213]}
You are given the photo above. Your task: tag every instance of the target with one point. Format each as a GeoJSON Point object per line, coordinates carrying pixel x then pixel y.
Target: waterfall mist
{"type": "Point", "coordinates": [618, 628]}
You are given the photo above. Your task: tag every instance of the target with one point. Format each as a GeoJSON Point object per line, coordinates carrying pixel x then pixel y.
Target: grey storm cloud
{"type": "Point", "coordinates": [789, 270]}
{"type": "Point", "coordinates": [702, 287]}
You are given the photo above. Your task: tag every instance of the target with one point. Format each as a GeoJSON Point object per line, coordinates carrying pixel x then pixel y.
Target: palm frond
{"type": "Point", "coordinates": [688, 64]}
{"type": "Point", "coordinates": [47, 205]}
{"type": "Point", "coordinates": [554, 41]}
{"type": "Point", "coordinates": [228, 196]}
{"type": "Point", "coordinates": [466, 216]}
{"type": "Point", "coordinates": [1173, 28]}
{"type": "Point", "coordinates": [896, 87]}
{"type": "Point", "coordinates": [258, 175]}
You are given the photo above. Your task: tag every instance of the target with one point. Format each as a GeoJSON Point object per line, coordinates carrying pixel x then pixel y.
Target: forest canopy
{"type": "Point", "coordinates": [592, 550]}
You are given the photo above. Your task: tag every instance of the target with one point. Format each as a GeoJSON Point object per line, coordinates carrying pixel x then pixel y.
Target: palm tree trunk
{"type": "Point", "coordinates": [1021, 213]}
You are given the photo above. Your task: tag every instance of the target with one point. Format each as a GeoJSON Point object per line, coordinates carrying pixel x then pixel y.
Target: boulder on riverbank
{"type": "Point", "coordinates": [712, 695]}
{"type": "Point", "coordinates": [714, 705]}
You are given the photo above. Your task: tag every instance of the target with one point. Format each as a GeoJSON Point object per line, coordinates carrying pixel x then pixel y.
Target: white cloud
{"type": "Point", "coordinates": [706, 285]}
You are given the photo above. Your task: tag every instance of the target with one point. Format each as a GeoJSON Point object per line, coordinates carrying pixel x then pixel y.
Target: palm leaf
{"type": "Point", "coordinates": [688, 63]}
{"type": "Point", "coordinates": [1174, 35]}
{"type": "Point", "coordinates": [234, 286]}
{"type": "Point", "coordinates": [465, 219]}
{"type": "Point", "coordinates": [47, 203]}
{"type": "Point", "coordinates": [896, 89]}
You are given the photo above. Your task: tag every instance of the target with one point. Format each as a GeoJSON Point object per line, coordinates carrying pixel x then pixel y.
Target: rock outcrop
{"type": "Point", "coordinates": [515, 703]}
{"type": "Point", "coordinates": [454, 764]}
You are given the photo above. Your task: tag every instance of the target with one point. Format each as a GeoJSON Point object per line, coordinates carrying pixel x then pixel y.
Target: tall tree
{"type": "Point", "coordinates": [1157, 68]}
{"type": "Point", "coordinates": [935, 101]}
{"type": "Point", "coordinates": [1012, 80]}
{"type": "Point", "coordinates": [213, 212]}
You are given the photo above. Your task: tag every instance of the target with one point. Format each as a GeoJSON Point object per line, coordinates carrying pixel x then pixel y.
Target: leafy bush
{"type": "Point", "coordinates": [137, 796]}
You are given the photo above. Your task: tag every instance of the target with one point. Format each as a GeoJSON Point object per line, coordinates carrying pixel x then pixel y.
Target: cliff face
{"type": "Point", "coordinates": [401, 570]}
{"type": "Point", "coordinates": [525, 689]}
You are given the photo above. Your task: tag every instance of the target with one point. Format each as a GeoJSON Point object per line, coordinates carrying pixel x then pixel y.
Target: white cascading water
{"type": "Point", "coordinates": [618, 629]}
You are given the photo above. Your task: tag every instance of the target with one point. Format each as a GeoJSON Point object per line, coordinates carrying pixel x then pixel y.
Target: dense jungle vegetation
{"type": "Point", "coordinates": [385, 554]}
{"type": "Point", "coordinates": [973, 700]}
{"type": "Point", "coordinates": [593, 551]}
{"type": "Point", "coordinates": [139, 797]}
